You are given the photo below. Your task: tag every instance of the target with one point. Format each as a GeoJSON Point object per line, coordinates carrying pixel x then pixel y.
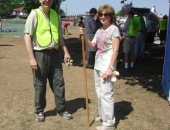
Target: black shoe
{"type": "Point", "coordinates": [89, 66]}
{"type": "Point", "coordinates": [126, 69]}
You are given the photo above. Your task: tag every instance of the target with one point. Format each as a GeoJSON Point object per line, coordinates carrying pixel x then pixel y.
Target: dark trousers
{"type": "Point", "coordinates": [162, 35]}
{"type": "Point", "coordinates": [49, 67]}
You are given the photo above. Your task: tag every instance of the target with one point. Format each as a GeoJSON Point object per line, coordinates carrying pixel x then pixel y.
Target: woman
{"type": "Point", "coordinates": [107, 40]}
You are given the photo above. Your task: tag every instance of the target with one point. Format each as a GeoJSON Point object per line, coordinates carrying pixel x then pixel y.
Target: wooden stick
{"type": "Point", "coordinates": [85, 80]}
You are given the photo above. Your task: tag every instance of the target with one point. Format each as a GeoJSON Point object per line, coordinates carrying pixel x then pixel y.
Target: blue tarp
{"type": "Point", "coordinates": [166, 67]}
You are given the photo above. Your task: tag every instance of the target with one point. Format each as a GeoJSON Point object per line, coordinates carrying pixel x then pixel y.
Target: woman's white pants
{"type": "Point", "coordinates": [104, 90]}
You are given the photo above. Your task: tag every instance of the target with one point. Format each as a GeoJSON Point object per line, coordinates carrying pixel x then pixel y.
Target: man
{"type": "Point", "coordinates": [43, 36]}
{"type": "Point", "coordinates": [0, 23]}
{"type": "Point", "coordinates": [151, 27]}
{"type": "Point", "coordinates": [90, 28]}
{"type": "Point", "coordinates": [81, 22]}
{"type": "Point", "coordinates": [140, 38]}
{"type": "Point", "coordinates": [130, 29]}
{"type": "Point", "coordinates": [153, 9]}
{"type": "Point", "coordinates": [163, 24]}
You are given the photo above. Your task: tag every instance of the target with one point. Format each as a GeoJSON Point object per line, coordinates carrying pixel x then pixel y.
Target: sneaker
{"type": "Point", "coordinates": [98, 119]}
{"type": "Point", "coordinates": [98, 127]}
{"type": "Point", "coordinates": [89, 66]}
{"type": "Point", "coordinates": [40, 117]}
{"type": "Point", "coordinates": [126, 69]}
{"type": "Point", "coordinates": [81, 64]}
{"type": "Point", "coordinates": [103, 127]}
{"type": "Point", "coordinates": [65, 115]}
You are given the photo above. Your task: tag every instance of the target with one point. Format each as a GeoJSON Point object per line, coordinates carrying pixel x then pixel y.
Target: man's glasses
{"type": "Point", "coordinates": [105, 14]}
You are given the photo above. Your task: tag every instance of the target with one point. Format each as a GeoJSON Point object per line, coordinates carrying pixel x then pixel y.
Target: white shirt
{"type": "Point", "coordinates": [105, 48]}
{"type": "Point", "coordinates": [153, 10]}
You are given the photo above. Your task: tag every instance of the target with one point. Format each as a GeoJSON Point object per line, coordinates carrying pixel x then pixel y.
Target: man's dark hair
{"type": "Point", "coordinates": [93, 10]}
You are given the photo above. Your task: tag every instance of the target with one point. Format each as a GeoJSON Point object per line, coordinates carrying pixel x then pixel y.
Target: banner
{"type": "Point", "coordinates": [166, 66]}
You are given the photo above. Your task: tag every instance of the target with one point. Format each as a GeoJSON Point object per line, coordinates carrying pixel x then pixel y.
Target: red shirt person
{"type": "Point", "coordinates": [65, 25]}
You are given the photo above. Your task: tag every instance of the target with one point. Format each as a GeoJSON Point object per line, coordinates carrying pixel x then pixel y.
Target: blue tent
{"type": "Point", "coordinates": [166, 67]}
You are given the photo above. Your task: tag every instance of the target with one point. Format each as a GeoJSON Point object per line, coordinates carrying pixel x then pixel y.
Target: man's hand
{"type": "Point", "coordinates": [33, 64]}
{"type": "Point", "coordinates": [67, 59]}
{"type": "Point", "coordinates": [69, 62]}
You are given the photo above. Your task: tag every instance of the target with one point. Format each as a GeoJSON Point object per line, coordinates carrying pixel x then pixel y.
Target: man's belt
{"type": "Point", "coordinates": [50, 49]}
{"type": "Point", "coordinates": [131, 36]}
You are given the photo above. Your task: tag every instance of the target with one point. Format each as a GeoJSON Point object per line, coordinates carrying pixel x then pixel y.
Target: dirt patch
{"type": "Point", "coordinates": [139, 99]}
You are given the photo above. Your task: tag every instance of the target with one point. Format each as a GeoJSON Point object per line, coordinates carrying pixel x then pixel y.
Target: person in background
{"type": "Point", "coordinates": [81, 22]}
{"type": "Point", "coordinates": [151, 28]}
{"type": "Point", "coordinates": [90, 27]}
{"type": "Point", "coordinates": [107, 39]}
{"type": "Point", "coordinates": [153, 9]}
{"type": "Point", "coordinates": [0, 23]}
{"type": "Point", "coordinates": [64, 26]}
{"type": "Point", "coordinates": [163, 23]}
{"type": "Point", "coordinates": [140, 38]}
{"type": "Point", "coordinates": [43, 36]}
{"type": "Point", "coordinates": [130, 28]}
{"type": "Point", "coordinates": [98, 24]}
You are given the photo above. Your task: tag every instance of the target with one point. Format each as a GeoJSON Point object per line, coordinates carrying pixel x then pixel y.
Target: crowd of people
{"type": "Point", "coordinates": [43, 36]}
{"type": "Point", "coordinates": [137, 42]}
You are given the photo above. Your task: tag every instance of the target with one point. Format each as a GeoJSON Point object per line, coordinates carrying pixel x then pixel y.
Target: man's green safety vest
{"type": "Point", "coordinates": [139, 21]}
{"type": "Point", "coordinates": [134, 27]}
{"type": "Point", "coordinates": [46, 30]}
{"type": "Point", "coordinates": [163, 24]}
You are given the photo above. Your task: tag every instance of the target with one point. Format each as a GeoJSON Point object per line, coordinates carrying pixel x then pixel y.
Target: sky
{"type": "Point", "coordinates": [75, 7]}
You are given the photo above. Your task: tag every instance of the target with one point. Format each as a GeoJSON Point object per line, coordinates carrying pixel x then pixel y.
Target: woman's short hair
{"type": "Point", "coordinates": [108, 9]}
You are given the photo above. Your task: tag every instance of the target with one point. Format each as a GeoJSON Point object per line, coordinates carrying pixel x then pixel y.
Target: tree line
{"type": "Point", "coordinates": [7, 6]}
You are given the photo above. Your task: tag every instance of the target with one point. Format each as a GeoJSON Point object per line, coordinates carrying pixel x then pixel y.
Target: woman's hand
{"type": "Point", "coordinates": [107, 74]}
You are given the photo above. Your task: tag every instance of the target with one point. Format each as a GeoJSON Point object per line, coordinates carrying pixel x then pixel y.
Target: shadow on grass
{"type": "Point", "coordinates": [122, 110]}
{"type": "Point", "coordinates": [77, 103]}
{"type": "Point", "coordinates": [74, 46]}
{"type": "Point", "coordinates": [72, 106]}
{"type": "Point", "coordinates": [147, 74]}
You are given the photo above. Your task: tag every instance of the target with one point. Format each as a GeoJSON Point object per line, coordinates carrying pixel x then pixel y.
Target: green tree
{"type": "Point", "coordinates": [62, 13]}
{"type": "Point", "coordinates": [118, 13]}
{"type": "Point", "coordinates": [6, 7]}
{"type": "Point", "coordinates": [32, 4]}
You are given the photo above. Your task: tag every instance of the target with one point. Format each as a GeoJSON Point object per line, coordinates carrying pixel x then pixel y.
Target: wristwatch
{"type": "Point", "coordinates": [112, 68]}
